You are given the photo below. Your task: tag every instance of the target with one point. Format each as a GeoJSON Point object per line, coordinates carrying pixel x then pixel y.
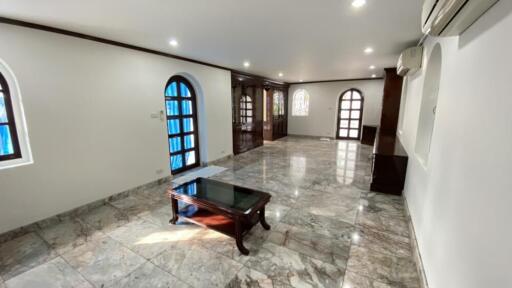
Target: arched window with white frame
{"type": "Point", "coordinates": [300, 102]}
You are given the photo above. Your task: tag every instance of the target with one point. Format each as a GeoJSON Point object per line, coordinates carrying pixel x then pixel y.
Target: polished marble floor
{"type": "Point", "coordinates": [328, 230]}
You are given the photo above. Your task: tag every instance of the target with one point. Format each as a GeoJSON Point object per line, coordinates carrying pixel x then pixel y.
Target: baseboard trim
{"type": "Point", "coordinates": [17, 232]}
{"type": "Point", "coordinates": [415, 250]}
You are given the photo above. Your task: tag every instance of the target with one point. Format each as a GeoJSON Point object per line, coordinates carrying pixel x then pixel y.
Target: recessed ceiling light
{"type": "Point", "coordinates": [247, 64]}
{"type": "Point", "coordinates": [368, 50]}
{"type": "Point", "coordinates": [301, 80]}
{"type": "Point", "coordinates": [173, 42]}
{"type": "Point", "coordinates": [358, 3]}
{"type": "Point", "coordinates": [281, 74]}
{"type": "Point", "coordinates": [372, 67]}
{"type": "Point", "coordinates": [374, 75]}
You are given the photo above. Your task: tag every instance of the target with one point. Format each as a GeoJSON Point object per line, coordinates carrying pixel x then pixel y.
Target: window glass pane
{"type": "Point", "coordinates": [249, 105]}
{"type": "Point", "coordinates": [344, 114]}
{"type": "Point", "coordinates": [175, 144]}
{"type": "Point", "coordinates": [356, 95]}
{"type": "Point", "coordinates": [171, 90]}
{"type": "Point", "coordinates": [249, 113]}
{"type": "Point", "coordinates": [173, 126]}
{"type": "Point", "coordinates": [353, 133]}
{"type": "Point", "coordinates": [186, 106]}
{"type": "Point", "coordinates": [6, 147]}
{"type": "Point", "coordinates": [3, 111]}
{"type": "Point", "coordinates": [346, 96]}
{"type": "Point", "coordinates": [172, 108]}
{"type": "Point", "coordinates": [249, 120]}
{"type": "Point", "coordinates": [345, 104]}
{"type": "Point", "coordinates": [188, 124]}
{"type": "Point", "coordinates": [344, 123]}
{"type": "Point", "coordinates": [343, 132]}
{"type": "Point", "coordinates": [190, 158]}
{"type": "Point", "coordinates": [354, 124]}
{"type": "Point", "coordinates": [356, 105]}
{"type": "Point", "coordinates": [184, 90]}
{"type": "Point", "coordinates": [355, 114]}
{"type": "Point", "coordinates": [189, 141]}
{"type": "Point", "coordinates": [176, 162]}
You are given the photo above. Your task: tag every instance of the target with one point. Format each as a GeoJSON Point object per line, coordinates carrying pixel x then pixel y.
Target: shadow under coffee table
{"type": "Point", "coordinates": [228, 209]}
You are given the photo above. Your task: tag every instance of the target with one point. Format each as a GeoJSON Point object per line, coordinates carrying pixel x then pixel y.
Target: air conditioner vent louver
{"type": "Point", "coordinates": [452, 17]}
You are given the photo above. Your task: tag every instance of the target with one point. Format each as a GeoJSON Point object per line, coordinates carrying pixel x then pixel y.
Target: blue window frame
{"type": "Point", "coordinates": [9, 144]}
{"type": "Point", "coordinates": [180, 103]}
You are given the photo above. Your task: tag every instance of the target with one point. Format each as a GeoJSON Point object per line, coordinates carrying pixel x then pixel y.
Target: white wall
{"type": "Point", "coordinates": [460, 202]}
{"type": "Point", "coordinates": [323, 103]}
{"type": "Point", "coordinates": [88, 107]}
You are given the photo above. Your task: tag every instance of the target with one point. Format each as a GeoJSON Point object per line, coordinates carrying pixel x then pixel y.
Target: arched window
{"type": "Point", "coordinates": [300, 103]}
{"type": "Point", "coordinates": [180, 101]}
{"type": "Point", "coordinates": [9, 144]}
{"type": "Point", "coordinates": [350, 114]}
{"type": "Point", "coordinates": [246, 109]}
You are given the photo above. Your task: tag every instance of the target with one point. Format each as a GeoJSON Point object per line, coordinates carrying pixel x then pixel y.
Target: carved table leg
{"type": "Point", "coordinates": [174, 205]}
{"type": "Point", "coordinates": [262, 219]}
{"type": "Point", "coordinates": [238, 237]}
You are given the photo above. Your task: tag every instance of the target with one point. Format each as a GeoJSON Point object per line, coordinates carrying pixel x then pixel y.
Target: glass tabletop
{"type": "Point", "coordinates": [222, 194]}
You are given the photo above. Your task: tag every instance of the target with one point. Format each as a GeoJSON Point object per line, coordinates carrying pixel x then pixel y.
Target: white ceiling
{"type": "Point", "coordinates": [304, 39]}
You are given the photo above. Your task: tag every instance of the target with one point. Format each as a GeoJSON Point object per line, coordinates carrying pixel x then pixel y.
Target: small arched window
{"type": "Point", "coordinates": [350, 115]}
{"type": "Point", "coordinates": [246, 109]}
{"type": "Point", "coordinates": [9, 144]}
{"type": "Point", "coordinates": [180, 101]}
{"type": "Point", "coordinates": [300, 103]}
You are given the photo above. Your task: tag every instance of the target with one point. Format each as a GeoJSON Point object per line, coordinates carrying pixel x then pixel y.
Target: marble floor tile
{"type": "Point", "coordinates": [149, 275]}
{"type": "Point", "coordinates": [249, 278]}
{"type": "Point", "coordinates": [382, 222]}
{"type": "Point", "coordinates": [318, 246]}
{"type": "Point", "coordinates": [352, 280]}
{"type": "Point", "coordinates": [55, 273]}
{"type": "Point", "coordinates": [339, 206]}
{"type": "Point", "coordinates": [323, 219]}
{"type": "Point", "coordinates": [22, 254]}
{"type": "Point", "coordinates": [197, 266]}
{"type": "Point", "coordinates": [105, 218]}
{"type": "Point", "coordinates": [67, 235]}
{"type": "Point", "coordinates": [328, 226]}
{"type": "Point", "coordinates": [148, 239]}
{"type": "Point", "coordinates": [394, 271]}
{"type": "Point", "coordinates": [132, 205]}
{"type": "Point", "coordinates": [103, 261]}
{"type": "Point", "coordinates": [286, 266]}
{"type": "Point", "coordinates": [225, 245]}
{"type": "Point", "coordinates": [391, 244]}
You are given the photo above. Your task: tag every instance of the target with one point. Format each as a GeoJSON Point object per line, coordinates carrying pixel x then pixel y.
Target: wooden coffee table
{"type": "Point", "coordinates": [228, 209]}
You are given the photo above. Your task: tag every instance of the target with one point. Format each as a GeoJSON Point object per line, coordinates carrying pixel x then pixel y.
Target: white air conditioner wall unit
{"type": "Point", "coordinates": [452, 17]}
{"type": "Point", "coordinates": [410, 61]}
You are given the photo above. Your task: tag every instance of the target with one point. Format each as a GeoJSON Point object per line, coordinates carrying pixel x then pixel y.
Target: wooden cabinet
{"type": "Point", "coordinates": [249, 107]}
{"type": "Point", "coordinates": [389, 165]}
{"type": "Point", "coordinates": [390, 159]}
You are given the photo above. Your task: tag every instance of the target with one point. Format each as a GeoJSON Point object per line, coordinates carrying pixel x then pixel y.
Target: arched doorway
{"type": "Point", "coordinates": [350, 115]}
{"type": "Point", "coordinates": [181, 108]}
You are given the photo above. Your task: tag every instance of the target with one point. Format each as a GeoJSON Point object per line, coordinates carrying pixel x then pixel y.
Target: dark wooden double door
{"type": "Point", "coordinates": [259, 111]}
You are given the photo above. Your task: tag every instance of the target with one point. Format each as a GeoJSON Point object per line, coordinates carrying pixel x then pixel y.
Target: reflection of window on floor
{"type": "Point", "coordinates": [298, 167]}
{"type": "Point", "coordinates": [346, 162]}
